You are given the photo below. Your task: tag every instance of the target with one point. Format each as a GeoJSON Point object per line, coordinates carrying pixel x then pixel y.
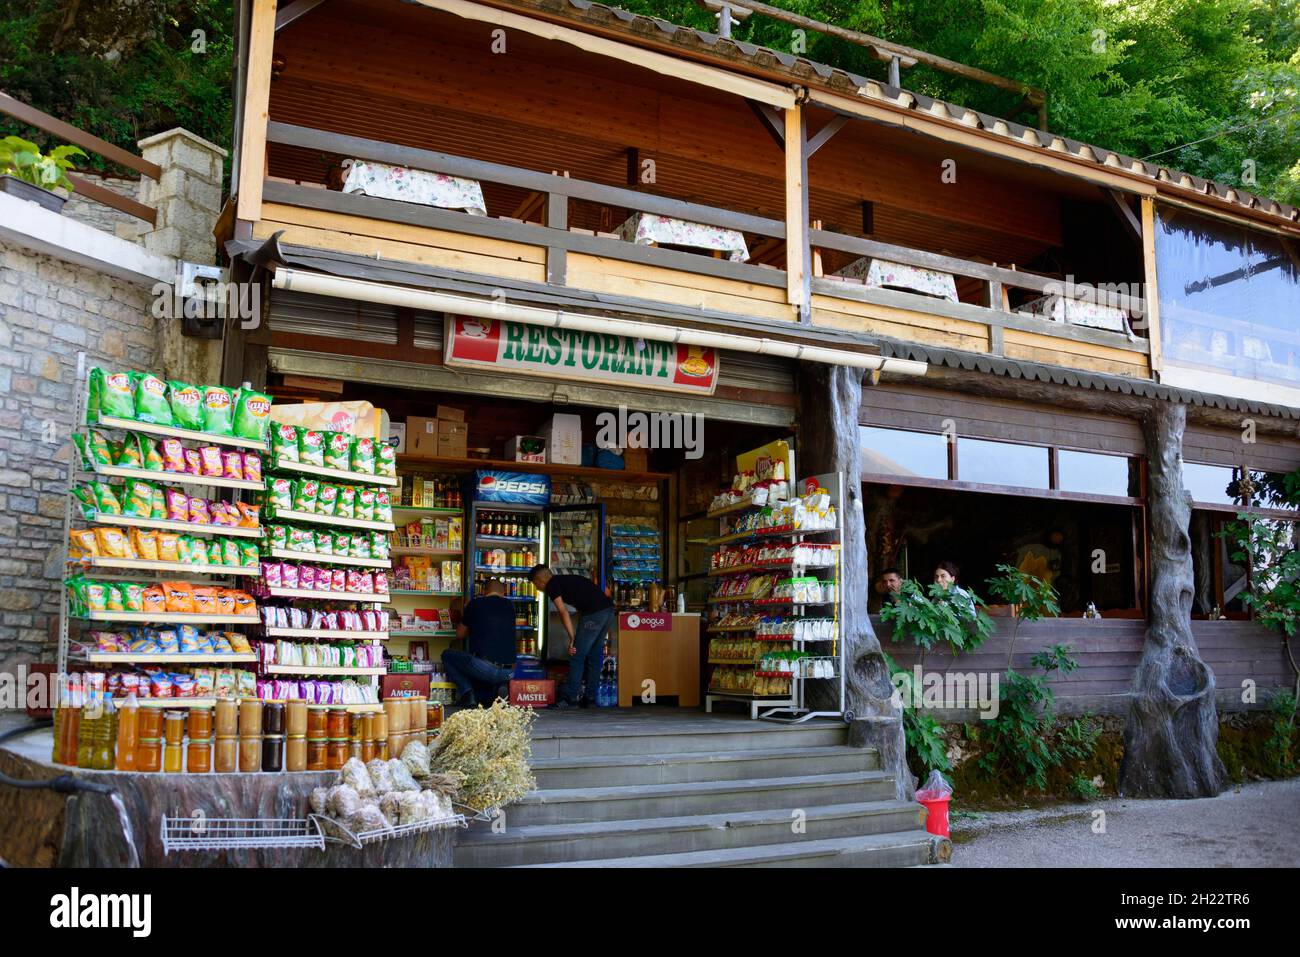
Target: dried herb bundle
{"type": "Point", "coordinates": [486, 750]}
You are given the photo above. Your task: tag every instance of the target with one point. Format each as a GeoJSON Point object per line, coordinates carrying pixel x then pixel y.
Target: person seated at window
{"type": "Point", "coordinates": [945, 576]}
{"type": "Point", "coordinates": [890, 585]}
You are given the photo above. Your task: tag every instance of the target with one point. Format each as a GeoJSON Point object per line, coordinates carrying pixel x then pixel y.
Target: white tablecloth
{"type": "Point", "coordinates": [882, 274]}
{"type": "Point", "coordinates": [413, 186]}
{"type": "Point", "coordinates": [1078, 313]}
{"type": "Point", "coordinates": [647, 229]}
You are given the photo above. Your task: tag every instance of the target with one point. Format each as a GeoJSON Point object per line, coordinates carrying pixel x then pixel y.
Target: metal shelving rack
{"type": "Point", "coordinates": [792, 708]}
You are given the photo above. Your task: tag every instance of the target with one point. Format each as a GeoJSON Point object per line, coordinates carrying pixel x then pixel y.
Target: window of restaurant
{"type": "Point", "coordinates": [1070, 516]}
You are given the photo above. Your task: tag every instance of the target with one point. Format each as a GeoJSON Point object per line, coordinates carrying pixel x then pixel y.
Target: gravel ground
{"type": "Point", "coordinates": [1251, 825]}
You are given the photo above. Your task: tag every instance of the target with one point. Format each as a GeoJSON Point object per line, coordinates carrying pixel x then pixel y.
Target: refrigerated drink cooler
{"type": "Point", "coordinates": [575, 538]}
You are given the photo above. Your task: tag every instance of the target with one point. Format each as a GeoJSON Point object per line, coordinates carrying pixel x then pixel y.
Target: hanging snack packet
{"type": "Point", "coordinates": [311, 447]}
{"type": "Point", "coordinates": [117, 398]}
{"type": "Point", "coordinates": [284, 442]}
{"type": "Point", "coordinates": [338, 450]}
{"type": "Point", "coordinates": [252, 467]}
{"type": "Point", "coordinates": [252, 414]}
{"type": "Point", "coordinates": [218, 408]}
{"type": "Point", "coordinates": [327, 499]}
{"type": "Point", "coordinates": [346, 506]}
{"type": "Point", "coordinates": [151, 403]}
{"type": "Point", "coordinates": [150, 458]}
{"type": "Point", "coordinates": [186, 404]}
{"type": "Point", "coordinates": [173, 455]}
{"type": "Point", "coordinates": [363, 456]}
{"type": "Point", "coordinates": [386, 460]}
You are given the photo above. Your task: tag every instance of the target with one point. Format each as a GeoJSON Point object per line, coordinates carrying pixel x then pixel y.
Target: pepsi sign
{"type": "Point", "coordinates": [512, 488]}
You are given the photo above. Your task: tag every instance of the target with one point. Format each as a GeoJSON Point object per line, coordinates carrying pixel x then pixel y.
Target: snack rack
{"type": "Point", "coordinates": [310, 520]}
{"type": "Point", "coordinates": [820, 657]}
{"type": "Point", "coordinates": [123, 569]}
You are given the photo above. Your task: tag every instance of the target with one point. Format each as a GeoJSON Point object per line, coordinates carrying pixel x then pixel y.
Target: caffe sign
{"type": "Point", "coordinates": [504, 346]}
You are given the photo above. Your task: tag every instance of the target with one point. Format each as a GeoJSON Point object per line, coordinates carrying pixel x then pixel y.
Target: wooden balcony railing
{"type": "Point", "coordinates": [70, 134]}
{"type": "Point", "coordinates": [553, 193]}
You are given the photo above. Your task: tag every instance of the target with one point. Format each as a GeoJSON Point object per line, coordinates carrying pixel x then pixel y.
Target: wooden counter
{"type": "Point", "coordinates": [663, 648]}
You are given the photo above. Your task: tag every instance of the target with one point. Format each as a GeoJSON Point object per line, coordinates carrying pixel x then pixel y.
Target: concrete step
{"type": "Point", "coordinates": [583, 805]}
{"type": "Point", "coordinates": [553, 843]}
{"type": "Point", "coordinates": [899, 849]}
{"type": "Point", "coordinates": [615, 770]}
{"type": "Point", "coordinates": [727, 736]}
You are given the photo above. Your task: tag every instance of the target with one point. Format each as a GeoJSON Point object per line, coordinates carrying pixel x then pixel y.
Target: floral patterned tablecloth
{"type": "Point", "coordinates": [1079, 313]}
{"type": "Point", "coordinates": [413, 186]}
{"type": "Point", "coordinates": [882, 274]}
{"type": "Point", "coordinates": [647, 229]}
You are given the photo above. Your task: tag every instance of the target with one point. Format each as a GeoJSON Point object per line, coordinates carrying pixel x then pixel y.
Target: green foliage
{"type": "Point", "coordinates": [1280, 750]}
{"type": "Point", "coordinates": [25, 161]}
{"type": "Point", "coordinates": [1032, 597]}
{"type": "Point", "coordinates": [924, 735]}
{"type": "Point", "coordinates": [1081, 786]}
{"type": "Point", "coordinates": [954, 615]}
{"type": "Point", "coordinates": [1022, 742]}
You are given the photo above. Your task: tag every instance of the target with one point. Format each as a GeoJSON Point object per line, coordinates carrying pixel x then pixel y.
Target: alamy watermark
{"type": "Point", "coordinates": [651, 430]}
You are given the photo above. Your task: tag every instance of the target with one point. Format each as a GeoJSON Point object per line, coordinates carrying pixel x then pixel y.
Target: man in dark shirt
{"type": "Point", "coordinates": [488, 661]}
{"type": "Point", "coordinates": [587, 640]}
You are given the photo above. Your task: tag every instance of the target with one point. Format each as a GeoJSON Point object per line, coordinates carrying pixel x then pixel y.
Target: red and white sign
{"type": "Point", "coordinates": [532, 692]}
{"type": "Point", "coordinates": [506, 346]}
{"type": "Point", "coordinates": [645, 621]}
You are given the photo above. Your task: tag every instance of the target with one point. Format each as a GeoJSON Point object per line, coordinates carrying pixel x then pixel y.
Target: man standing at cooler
{"type": "Point", "coordinates": [587, 640]}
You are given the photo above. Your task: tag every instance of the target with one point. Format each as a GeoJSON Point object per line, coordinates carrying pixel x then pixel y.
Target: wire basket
{"type": "Point", "coordinates": [237, 833]}
{"type": "Point", "coordinates": [358, 839]}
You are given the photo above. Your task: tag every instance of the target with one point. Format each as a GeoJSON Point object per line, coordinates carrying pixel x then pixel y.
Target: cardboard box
{"type": "Point", "coordinates": [563, 434]}
{"type": "Point", "coordinates": [515, 453]}
{"type": "Point", "coordinates": [448, 427]}
{"type": "Point", "coordinates": [451, 446]}
{"type": "Point", "coordinates": [404, 686]}
{"type": "Point", "coordinates": [397, 431]}
{"type": "Point", "coordinates": [421, 435]}
{"type": "Point", "coordinates": [636, 460]}
{"type": "Point", "coordinates": [532, 693]}
{"type": "Point", "coordinates": [447, 413]}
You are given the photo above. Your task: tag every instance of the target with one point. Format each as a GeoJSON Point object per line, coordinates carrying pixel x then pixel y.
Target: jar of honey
{"type": "Point", "coordinates": [200, 724]}
{"type": "Point", "coordinates": [368, 726]}
{"type": "Point", "coordinates": [418, 714]}
{"type": "Point", "coordinates": [198, 759]}
{"type": "Point", "coordinates": [227, 718]}
{"type": "Point", "coordinates": [399, 713]}
{"type": "Point", "coordinates": [317, 754]}
{"type": "Point", "coordinates": [355, 726]}
{"type": "Point", "coordinates": [174, 727]}
{"type": "Point", "coordinates": [250, 717]}
{"type": "Point", "coordinates": [273, 752]}
{"type": "Point", "coordinates": [225, 757]}
{"type": "Point", "coordinates": [381, 726]}
{"type": "Point", "coordinates": [368, 752]}
{"type": "Point", "coordinates": [173, 756]}
{"type": "Point", "coordinates": [250, 750]}
{"type": "Point", "coordinates": [336, 754]}
{"type": "Point", "coordinates": [395, 743]}
{"type": "Point", "coordinates": [295, 754]}
{"type": "Point", "coordinates": [151, 723]}
{"type": "Point", "coordinates": [148, 751]}
{"type": "Point", "coordinates": [295, 718]}
{"type": "Point", "coordinates": [318, 721]}
{"type": "Point", "coordinates": [354, 750]}
{"type": "Point", "coordinates": [337, 722]}
{"type": "Point", "coordinates": [433, 719]}
{"type": "Point", "coordinates": [273, 718]}
{"type": "Point", "coordinates": [381, 750]}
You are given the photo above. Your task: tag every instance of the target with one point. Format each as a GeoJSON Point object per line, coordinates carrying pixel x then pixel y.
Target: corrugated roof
{"type": "Point", "coordinates": [802, 70]}
{"type": "Point", "coordinates": [1058, 375]}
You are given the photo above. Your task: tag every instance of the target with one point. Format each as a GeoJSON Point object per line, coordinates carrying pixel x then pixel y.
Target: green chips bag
{"type": "Point", "coordinates": [94, 391]}
{"type": "Point", "coordinates": [150, 457]}
{"type": "Point", "coordinates": [187, 405]}
{"type": "Point", "coordinates": [218, 410]}
{"type": "Point", "coordinates": [252, 414]}
{"type": "Point", "coordinates": [117, 397]}
{"type": "Point", "coordinates": [151, 403]}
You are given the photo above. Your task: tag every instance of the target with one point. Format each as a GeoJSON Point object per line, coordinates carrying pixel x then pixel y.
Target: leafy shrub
{"type": "Point", "coordinates": [953, 615]}
{"type": "Point", "coordinates": [25, 161]}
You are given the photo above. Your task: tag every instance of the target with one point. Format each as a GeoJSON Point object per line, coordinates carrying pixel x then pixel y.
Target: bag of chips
{"type": "Point", "coordinates": [186, 404]}
{"type": "Point", "coordinates": [338, 450]}
{"type": "Point", "coordinates": [106, 500]}
{"type": "Point", "coordinates": [386, 460]}
{"type": "Point", "coordinates": [249, 515]}
{"type": "Point", "coordinates": [311, 447]}
{"type": "Point", "coordinates": [94, 394]}
{"type": "Point", "coordinates": [86, 500]}
{"type": "Point", "coordinates": [218, 410]}
{"type": "Point", "coordinates": [127, 454]}
{"type": "Point", "coordinates": [229, 552]}
{"type": "Point", "coordinates": [114, 600]}
{"type": "Point", "coordinates": [248, 554]}
{"type": "Point", "coordinates": [145, 544]}
{"type": "Point", "coordinates": [252, 467]}
{"type": "Point", "coordinates": [252, 414]}
{"type": "Point", "coordinates": [151, 403]}
{"type": "Point", "coordinates": [169, 547]}
{"type": "Point", "coordinates": [179, 596]}
{"type": "Point", "coordinates": [139, 501]}
{"type": "Point", "coordinates": [346, 506]}
{"type": "Point", "coordinates": [327, 499]}
{"type": "Point", "coordinates": [173, 455]}
{"type": "Point", "coordinates": [117, 397]}
{"type": "Point", "coordinates": [284, 442]}
{"type": "Point", "coordinates": [198, 509]}
{"type": "Point", "coordinates": [133, 596]}
{"type": "Point", "coordinates": [279, 493]}
{"type": "Point", "coordinates": [305, 494]}
{"type": "Point", "coordinates": [363, 456]}
{"type": "Point", "coordinates": [159, 504]}
{"type": "Point", "coordinates": [216, 556]}
{"type": "Point", "coordinates": [212, 464]}
{"type": "Point", "coordinates": [82, 544]}
{"type": "Point", "coordinates": [113, 543]}
{"type": "Point", "coordinates": [232, 465]}
{"type": "Point", "coordinates": [178, 505]}
{"type": "Point", "coordinates": [150, 458]}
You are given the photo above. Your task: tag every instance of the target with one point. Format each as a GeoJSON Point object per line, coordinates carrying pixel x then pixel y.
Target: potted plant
{"type": "Point", "coordinates": [29, 174]}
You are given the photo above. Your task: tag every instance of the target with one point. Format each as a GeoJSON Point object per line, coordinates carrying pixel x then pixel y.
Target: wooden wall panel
{"type": "Point", "coordinates": [1226, 447]}
{"type": "Point", "coordinates": [900, 324]}
{"type": "Point", "coordinates": [1051, 350]}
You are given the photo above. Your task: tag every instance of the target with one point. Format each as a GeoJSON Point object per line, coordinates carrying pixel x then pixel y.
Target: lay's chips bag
{"type": "Point", "coordinates": [187, 405]}
{"type": "Point", "coordinates": [151, 399]}
{"type": "Point", "coordinates": [218, 410]}
{"type": "Point", "coordinates": [252, 414]}
{"type": "Point", "coordinates": [117, 397]}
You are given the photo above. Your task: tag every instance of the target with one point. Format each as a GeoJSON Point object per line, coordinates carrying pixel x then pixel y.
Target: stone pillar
{"type": "Point", "coordinates": [187, 198]}
{"type": "Point", "coordinates": [830, 397]}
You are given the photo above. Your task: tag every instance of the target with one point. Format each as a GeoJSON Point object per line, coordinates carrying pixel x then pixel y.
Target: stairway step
{"type": "Point", "coordinates": [612, 770]}
{"type": "Point", "coordinates": [577, 805]}
{"type": "Point", "coordinates": [553, 843]}
{"type": "Point", "coordinates": [898, 849]}
{"type": "Point", "coordinates": [728, 736]}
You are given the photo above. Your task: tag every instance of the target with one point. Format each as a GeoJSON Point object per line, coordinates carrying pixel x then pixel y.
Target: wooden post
{"type": "Point", "coordinates": [1151, 292]}
{"type": "Point", "coordinates": [557, 257]}
{"type": "Point", "coordinates": [797, 253]}
{"type": "Point", "coordinates": [257, 99]}
{"type": "Point", "coordinates": [830, 398]}
{"type": "Point", "coordinates": [1172, 730]}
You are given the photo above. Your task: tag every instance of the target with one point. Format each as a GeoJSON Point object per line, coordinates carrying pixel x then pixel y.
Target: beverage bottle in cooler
{"type": "Point", "coordinates": [128, 733]}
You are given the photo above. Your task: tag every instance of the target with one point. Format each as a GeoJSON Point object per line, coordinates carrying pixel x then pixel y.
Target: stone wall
{"type": "Point", "coordinates": [105, 218]}
{"type": "Point", "coordinates": [49, 311]}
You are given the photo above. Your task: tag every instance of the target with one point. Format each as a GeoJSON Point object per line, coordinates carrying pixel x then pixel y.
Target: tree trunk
{"type": "Point", "coordinates": [1172, 729]}
{"type": "Point", "coordinates": [828, 442]}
